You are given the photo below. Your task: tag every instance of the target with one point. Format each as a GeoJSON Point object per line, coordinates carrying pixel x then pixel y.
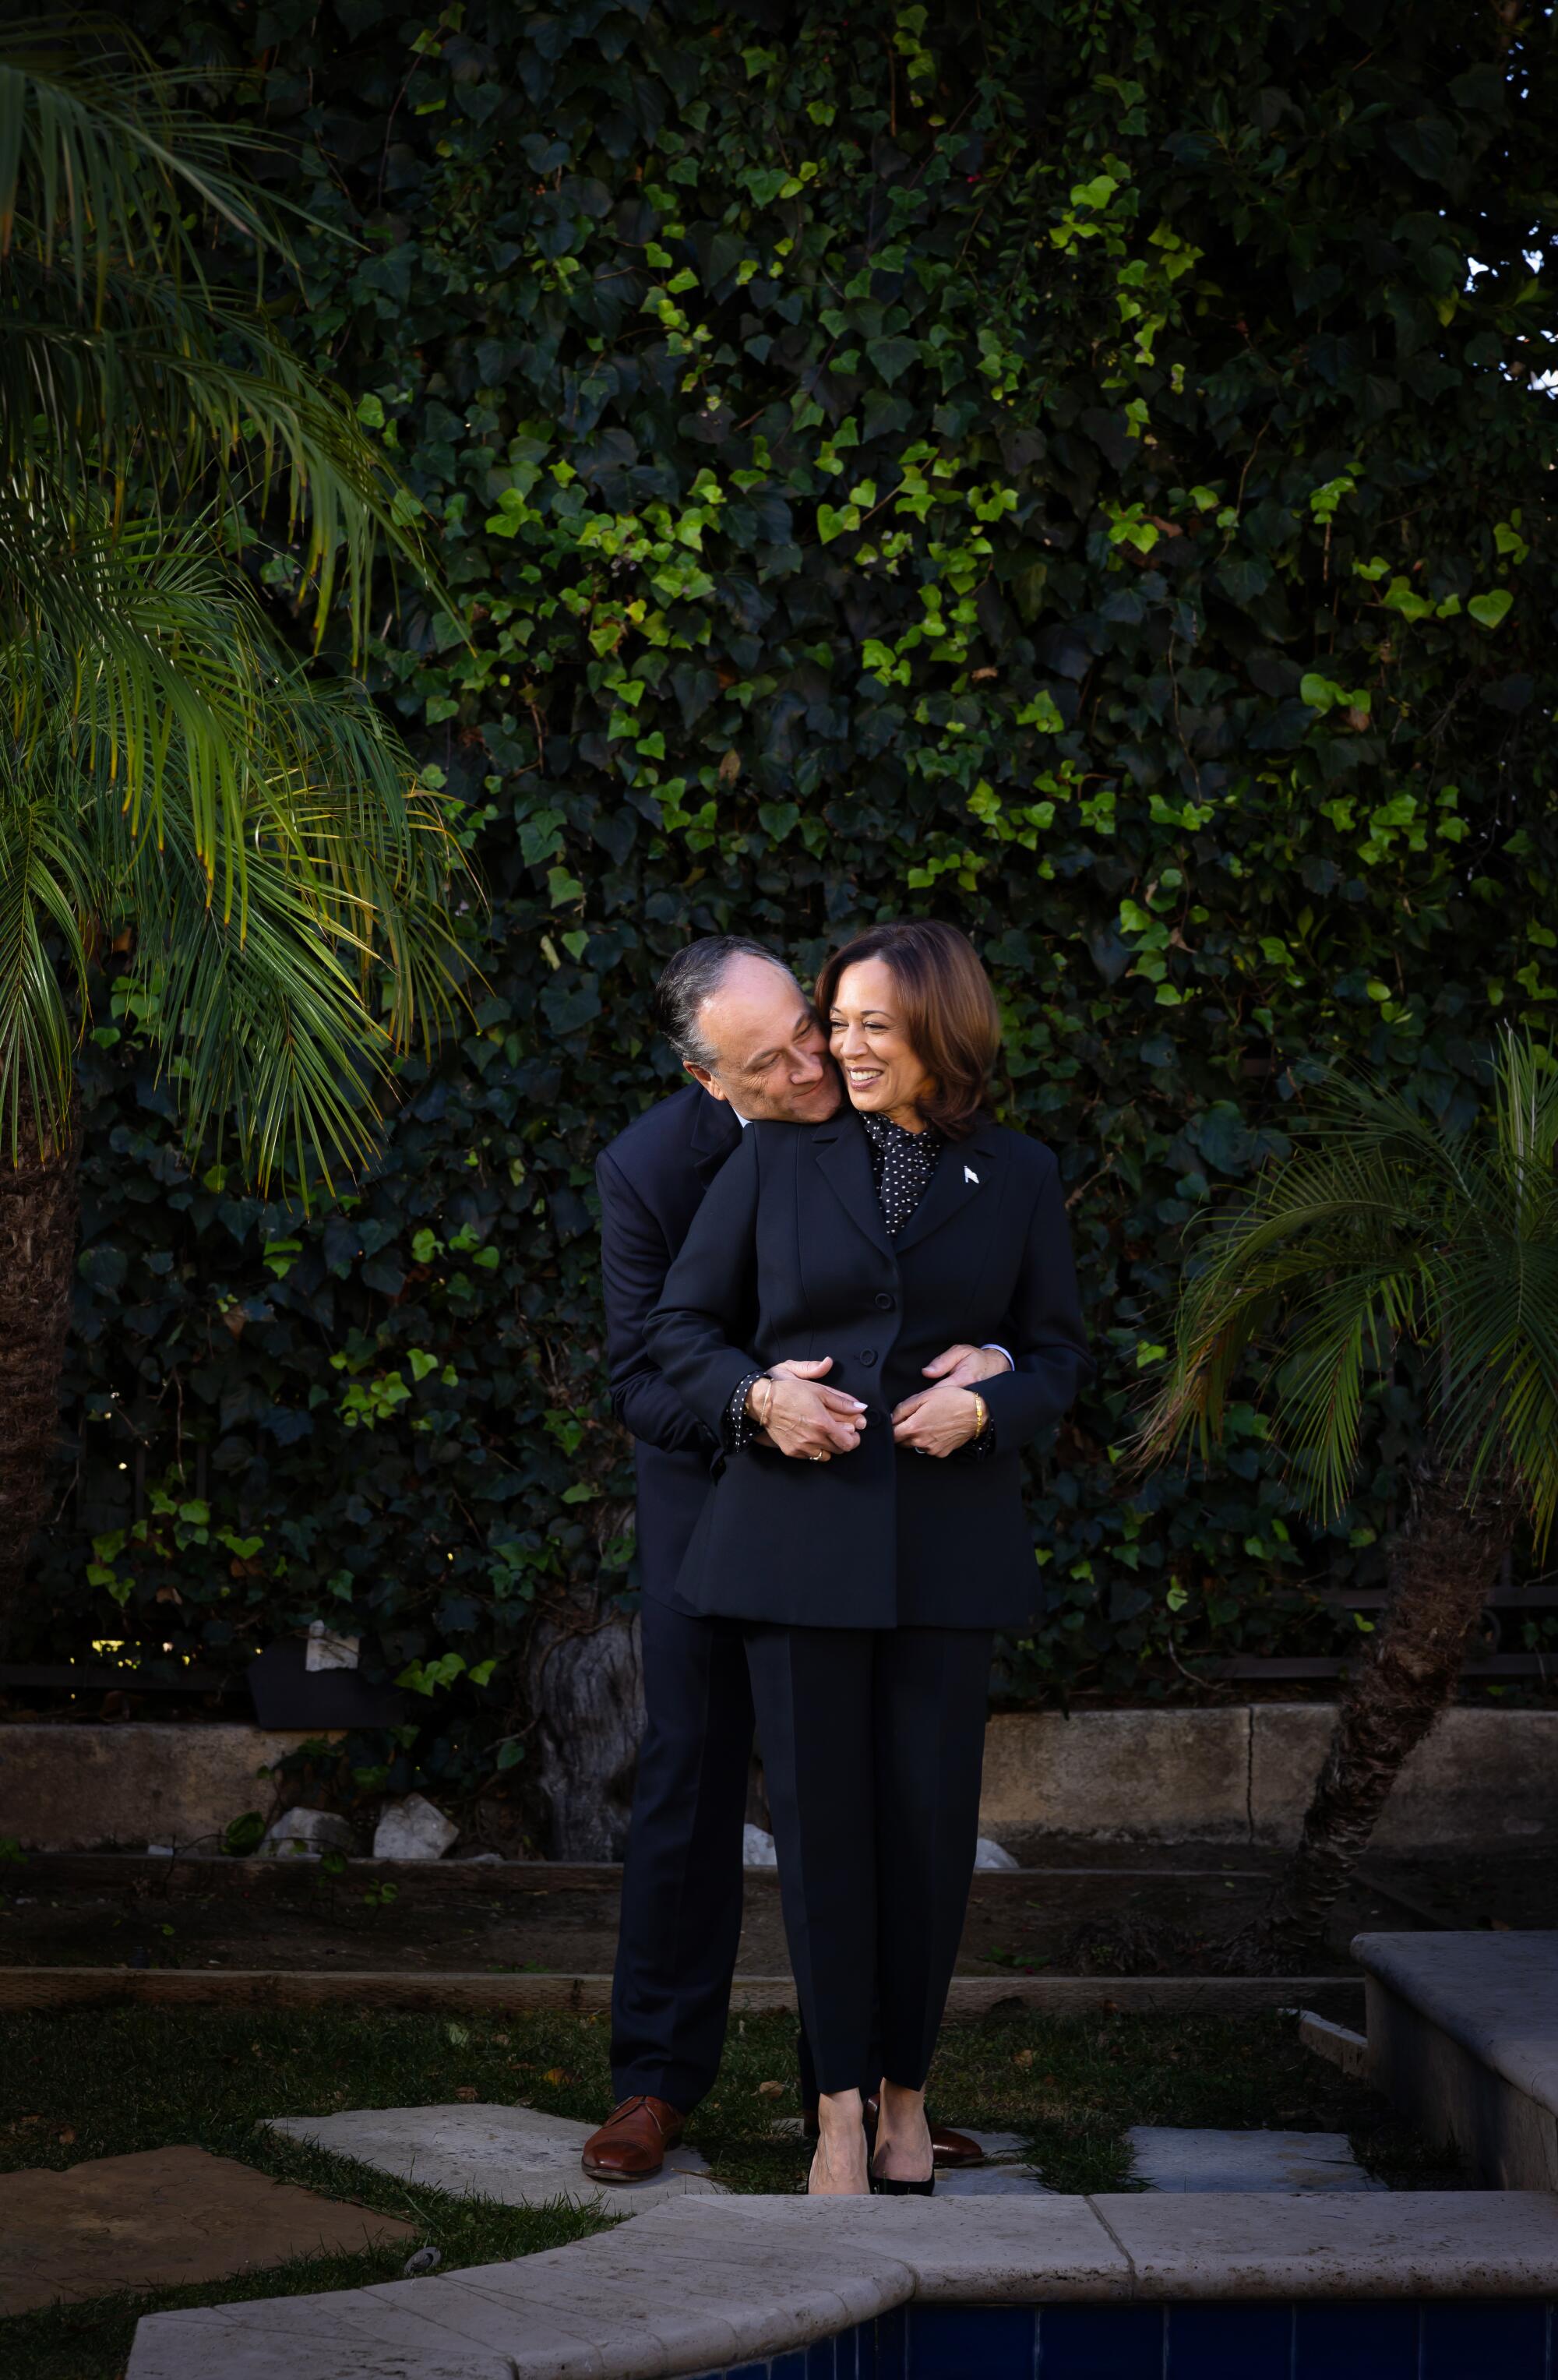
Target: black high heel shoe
{"type": "Point", "coordinates": [882, 2185]}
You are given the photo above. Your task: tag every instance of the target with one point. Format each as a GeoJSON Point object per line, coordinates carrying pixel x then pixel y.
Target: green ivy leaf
{"type": "Point", "coordinates": [891, 357]}
{"type": "Point", "coordinates": [1490, 609]}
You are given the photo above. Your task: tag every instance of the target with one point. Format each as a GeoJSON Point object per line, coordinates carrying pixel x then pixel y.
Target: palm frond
{"type": "Point", "coordinates": [1384, 1228]}
{"type": "Point", "coordinates": [289, 878]}
{"type": "Point", "coordinates": [47, 882]}
{"type": "Point", "coordinates": [145, 656]}
{"type": "Point", "coordinates": [1496, 1390]}
{"type": "Point", "coordinates": [270, 1029]}
{"type": "Point", "coordinates": [122, 363]}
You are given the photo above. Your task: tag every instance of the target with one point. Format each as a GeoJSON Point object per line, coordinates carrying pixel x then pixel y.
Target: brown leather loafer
{"type": "Point", "coordinates": [631, 2144]}
{"type": "Point", "coordinates": [954, 2152]}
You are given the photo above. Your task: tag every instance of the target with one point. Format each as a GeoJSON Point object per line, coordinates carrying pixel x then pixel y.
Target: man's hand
{"type": "Point", "coordinates": [937, 1421]}
{"type": "Point", "coordinates": [802, 1418]}
{"type": "Point", "coordinates": [959, 1366]}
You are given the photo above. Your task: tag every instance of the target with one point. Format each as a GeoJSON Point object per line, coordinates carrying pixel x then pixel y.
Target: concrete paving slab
{"type": "Point", "coordinates": [998, 2250]}
{"type": "Point", "coordinates": [992, 2181]}
{"type": "Point", "coordinates": [321, 2338]}
{"type": "Point", "coordinates": [1171, 2157]}
{"type": "Point", "coordinates": [710, 2281]}
{"type": "Point", "coordinates": [998, 2145]}
{"type": "Point", "coordinates": [514, 2154]}
{"type": "Point", "coordinates": [649, 2300]}
{"type": "Point", "coordinates": [160, 2219]}
{"type": "Point", "coordinates": [1305, 2243]}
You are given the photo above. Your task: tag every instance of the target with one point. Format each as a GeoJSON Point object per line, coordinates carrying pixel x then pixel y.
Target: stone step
{"type": "Point", "coordinates": [1462, 2035]}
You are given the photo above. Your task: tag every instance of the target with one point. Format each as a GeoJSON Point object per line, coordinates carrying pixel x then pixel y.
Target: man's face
{"type": "Point", "coordinates": [772, 1054]}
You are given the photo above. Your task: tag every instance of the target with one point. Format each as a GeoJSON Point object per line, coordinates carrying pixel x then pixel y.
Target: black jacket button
{"type": "Point", "coordinates": [884, 1301]}
{"type": "Point", "coordinates": [867, 1356]}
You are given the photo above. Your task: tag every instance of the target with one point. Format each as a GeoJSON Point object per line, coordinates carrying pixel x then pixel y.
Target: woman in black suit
{"type": "Point", "coordinates": [873, 1551]}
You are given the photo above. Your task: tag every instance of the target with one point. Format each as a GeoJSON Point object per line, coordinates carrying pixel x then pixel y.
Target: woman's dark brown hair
{"type": "Point", "coordinates": [949, 1012]}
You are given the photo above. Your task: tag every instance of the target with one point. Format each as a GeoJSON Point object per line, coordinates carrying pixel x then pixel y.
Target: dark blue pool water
{"type": "Point", "coordinates": [1503, 2338]}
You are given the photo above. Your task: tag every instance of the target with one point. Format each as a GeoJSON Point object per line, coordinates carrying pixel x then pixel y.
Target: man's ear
{"type": "Point", "coordinates": [706, 1082]}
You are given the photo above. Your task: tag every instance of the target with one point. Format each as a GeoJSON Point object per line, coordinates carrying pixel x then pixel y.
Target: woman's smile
{"type": "Point", "coordinates": [881, 1066]}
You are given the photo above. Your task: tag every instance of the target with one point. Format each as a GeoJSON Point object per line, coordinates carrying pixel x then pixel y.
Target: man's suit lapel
{"type": "Point", "coordinates": [715, 1131]}
{"type": "Point", "coordinates": [841, 1152]}
{"type": "Point", "coordinates": [961, 1185]}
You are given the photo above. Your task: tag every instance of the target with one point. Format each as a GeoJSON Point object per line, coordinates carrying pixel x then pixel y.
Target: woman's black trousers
{"type": "Point", "coordinates": [873, 1741]}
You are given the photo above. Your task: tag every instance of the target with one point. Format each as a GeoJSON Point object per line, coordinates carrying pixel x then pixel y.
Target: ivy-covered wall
{"type": "Point", "coordinates": [1079, 468]}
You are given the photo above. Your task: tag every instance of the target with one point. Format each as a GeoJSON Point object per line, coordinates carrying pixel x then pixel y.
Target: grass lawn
{"type": "Point", "coordinates": [84, 2085]}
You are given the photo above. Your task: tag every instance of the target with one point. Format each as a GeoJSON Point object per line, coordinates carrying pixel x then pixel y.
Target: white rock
{"type": "Point", "coordinates": [326, 1650]}
{"type": "Point", "coordinates": [988, 1854]}
{"type": "Point", "coordinates": [413, 1829]}
{"type": "Point", "coordinates": [160, 1850]}
{"type": "Point", "coordinates": [757, 1848]}
{"type": "Point", "coordinates": [479, 1858]}
{"type": "Point", "coordinates": [306, 1834]}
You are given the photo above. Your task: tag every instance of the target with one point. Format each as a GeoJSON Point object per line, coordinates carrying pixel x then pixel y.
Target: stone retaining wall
{"type": "Point", "coordinates": [79, 1788]}
{"type": "Point", "coordinates": [1245, 1775]}
{"type": "Point", "coordinates": [1242, 1775]}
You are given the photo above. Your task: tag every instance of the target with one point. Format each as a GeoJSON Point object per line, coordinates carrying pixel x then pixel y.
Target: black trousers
{"type": "Point", "coordinates": [682, 1876]}
{"type": "Point", "coordinates": [874, 1744]}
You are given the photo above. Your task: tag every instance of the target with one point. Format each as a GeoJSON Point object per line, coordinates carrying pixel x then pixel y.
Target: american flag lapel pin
{"type": "Point", "coordinates": [969, 1176]}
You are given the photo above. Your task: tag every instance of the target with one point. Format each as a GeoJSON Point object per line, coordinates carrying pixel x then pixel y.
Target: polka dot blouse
{"type": "Point", "coordinates": [902, 1164]}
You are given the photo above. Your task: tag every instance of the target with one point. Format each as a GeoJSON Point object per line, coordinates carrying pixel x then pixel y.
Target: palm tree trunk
{"type": "Point", "coordinates": [38, 1215]}
{"type": "Point", "coordinates": [1442, 1567]}
{"type": "Point", "coordinates": [587, 1690]}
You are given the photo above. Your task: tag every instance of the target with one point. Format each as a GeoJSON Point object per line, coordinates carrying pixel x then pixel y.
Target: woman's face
{"type": "Point", "coordinates": [881, 1070]}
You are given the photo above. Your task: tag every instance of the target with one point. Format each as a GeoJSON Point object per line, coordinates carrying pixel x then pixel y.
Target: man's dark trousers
{"type": "Point", "coordinates": [682, 1879]}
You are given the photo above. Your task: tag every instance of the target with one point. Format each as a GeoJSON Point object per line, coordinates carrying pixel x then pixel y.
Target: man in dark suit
{"type": "Point", "coordinates": [755, 1052]}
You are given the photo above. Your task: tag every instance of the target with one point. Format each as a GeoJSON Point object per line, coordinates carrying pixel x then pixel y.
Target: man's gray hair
{"type": "Point", "coordinates": [689, 981]}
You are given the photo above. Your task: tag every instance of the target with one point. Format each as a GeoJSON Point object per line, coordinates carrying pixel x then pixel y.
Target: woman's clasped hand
{"type": "Point", "coordinates": [798, 1415]}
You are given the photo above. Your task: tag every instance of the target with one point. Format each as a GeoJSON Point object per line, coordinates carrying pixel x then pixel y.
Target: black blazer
{"type": "Point", "coordinates": [788, 1256]}
{"type": "Point", "coordinates": [652, 1179]}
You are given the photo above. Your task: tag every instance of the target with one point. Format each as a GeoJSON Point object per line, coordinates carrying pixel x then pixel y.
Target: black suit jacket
{"type": "Point", "coordinates": [652, 1179]}
{"type": "Point", "coordinates": [788, 1256]}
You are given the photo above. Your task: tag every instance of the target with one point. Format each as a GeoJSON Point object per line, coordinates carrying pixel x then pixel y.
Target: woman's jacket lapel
{"type": "Point", "coordinates": [841, 1151]}
{"type": "Point", "coordinates": [960, 1185]}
